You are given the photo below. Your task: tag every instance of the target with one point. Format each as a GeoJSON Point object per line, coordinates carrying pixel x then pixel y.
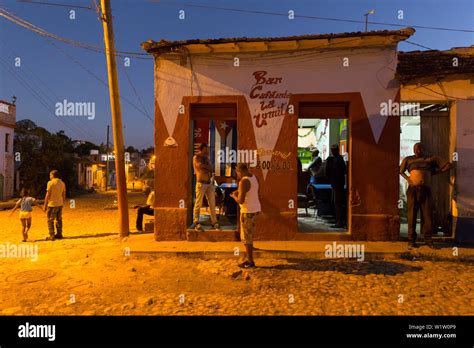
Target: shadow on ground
{"type": "Point", "coordinates": [98, 235]}
{"type": "Point", "coordinates": [346, 267]}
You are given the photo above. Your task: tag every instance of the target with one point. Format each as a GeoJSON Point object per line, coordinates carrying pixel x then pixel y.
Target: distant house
{"type": "Point", "coordinates": [91, 171]}
{"type": "Point", "coordinates": [7, 127]}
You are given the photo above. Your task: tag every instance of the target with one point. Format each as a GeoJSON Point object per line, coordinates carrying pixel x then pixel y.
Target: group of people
{"type": "Point", "coordinates": [246, 195]}
{"type": "Point", "coordinates": [419, 166]}
{"type": "Point", "coordinates": [335, 172]}
{"type": "Point", "coordinates": [53, 206]}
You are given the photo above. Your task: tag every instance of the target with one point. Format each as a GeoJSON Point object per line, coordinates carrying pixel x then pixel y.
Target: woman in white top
{"type": "Point", "coordinates": [248, 199]}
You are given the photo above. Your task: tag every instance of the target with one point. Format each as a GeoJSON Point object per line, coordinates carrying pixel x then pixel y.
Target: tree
{"type": "Point", "coordinates": [131, 149]}
{"type": "Point", "coordinates": [85, 148]}
{"type": "Point", "coordinates": [149, 150]}
{"type": "Point", "coordinates": [40, 152]}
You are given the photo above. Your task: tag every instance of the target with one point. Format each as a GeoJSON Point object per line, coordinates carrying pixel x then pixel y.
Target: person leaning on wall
{"type": "Point", "coordinates": [420, 166]}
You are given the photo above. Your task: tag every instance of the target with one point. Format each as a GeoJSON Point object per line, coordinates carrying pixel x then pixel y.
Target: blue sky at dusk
{"type": "Point", "coordinates": [54, 77]}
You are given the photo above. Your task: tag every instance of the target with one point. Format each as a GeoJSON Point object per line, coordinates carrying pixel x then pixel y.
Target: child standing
{"type": "Point", "coordinates": [25, 204]}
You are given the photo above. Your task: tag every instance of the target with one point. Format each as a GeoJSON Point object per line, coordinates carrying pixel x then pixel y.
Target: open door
{"type": "Point", "coordinates": [435, 128]}
{"type": "Point", "coordinates": [321, 207]}
{"type": "Point", "coordinates": [432, 128]}
{"type": "Point", "coordinates": [216, 126]}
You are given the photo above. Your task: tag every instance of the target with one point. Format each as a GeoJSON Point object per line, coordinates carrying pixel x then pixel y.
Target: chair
{"type": "Point", "coordinates": [303, 201]}
{"type": "Point", "coordinates": [308, 199]}
{"type": "Point", "coordinates": [312, 198]}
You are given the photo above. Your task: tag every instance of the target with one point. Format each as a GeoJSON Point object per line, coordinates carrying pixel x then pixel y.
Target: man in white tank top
{"type": "Point", "coordinates": [247, 197]}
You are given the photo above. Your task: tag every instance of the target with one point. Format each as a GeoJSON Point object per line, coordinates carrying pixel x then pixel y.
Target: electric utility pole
{"type": "Point", "coordinates": [107, 150]}
{"type": "Point", "coordinates": [116, 117]}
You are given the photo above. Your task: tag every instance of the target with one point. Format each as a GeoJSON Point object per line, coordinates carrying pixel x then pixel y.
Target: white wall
{"type": "Point", "coordinates": [6, 162]}
{"type": "Point", "coordinates": [410, 136]}
{"type": "Point", "coordinates": [465, 163]}
{"type": "Point", "coordinates": [370, 72]}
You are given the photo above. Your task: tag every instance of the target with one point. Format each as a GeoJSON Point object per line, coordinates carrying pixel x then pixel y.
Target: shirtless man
{"type": "Point", "coordinates": [204, 186]}
{"type": "Point", "coordinates": [418, 193]}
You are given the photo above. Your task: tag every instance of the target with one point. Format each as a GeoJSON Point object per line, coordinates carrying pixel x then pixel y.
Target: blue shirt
{"type": "Point", "coordinates": [26, 203]}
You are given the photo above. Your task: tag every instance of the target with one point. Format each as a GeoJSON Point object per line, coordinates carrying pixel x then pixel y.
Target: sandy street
{"type": "Point", "coordinates": [87, 273]}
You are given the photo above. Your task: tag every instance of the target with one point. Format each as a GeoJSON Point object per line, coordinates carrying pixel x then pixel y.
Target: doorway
{"type": "Point", "coordinates": [430, 126]}
{"type": "Point", "coordinates": [216, 126]}
{"type": "Point", "coordinates": [322, 179]}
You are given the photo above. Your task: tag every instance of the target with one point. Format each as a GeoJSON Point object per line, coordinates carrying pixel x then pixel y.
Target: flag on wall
{"type": "Point", "coordinates": [219, 135]}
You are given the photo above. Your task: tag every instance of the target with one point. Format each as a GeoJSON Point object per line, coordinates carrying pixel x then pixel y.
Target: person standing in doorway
{"type": "Point", "coordinates": [204, 187]}
{"type": "Point", "coordinates": [53, 205]}
{"type": "Point", "coordinates": [313, 168]}
{"type": "Point", "coordinates": [420, 166]}
{"type": "Point", "coordinates": [336, 171]}
{"type": "Point", "coordinates": [248, 198]}
{"type": "Point", "coordinates": [315, 165]}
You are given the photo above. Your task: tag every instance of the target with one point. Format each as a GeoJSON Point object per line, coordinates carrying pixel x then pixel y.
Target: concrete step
{"type": "Point", "coordinates": [212, 236]}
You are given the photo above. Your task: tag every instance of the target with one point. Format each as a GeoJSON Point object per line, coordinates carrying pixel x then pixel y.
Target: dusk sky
{"type": "Point", "coordinates": [61, 71]}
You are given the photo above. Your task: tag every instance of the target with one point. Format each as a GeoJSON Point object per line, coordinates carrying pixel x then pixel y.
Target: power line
{"type": "Point", "coordinates": [56, 97]}
{"type": "Point", "coordinates": [78, 123]}
{"type": "Point", "coordinates": [308, 17]}
{"type": "Point", "coordinates": [36, 94]}
{"type": "Point", "coordinates": [134, 90]}
{"type": "Point", "coordinates": [56, 4]}
{"type": "Point", "coordinates": [38, 97]}
{"type": "Point", "coordinates": [415, 44]}
{"type": "Point", "coordinates": [445, 95]}
{"type": "Point", "coordinates": [24, 23]}
{"type": "Point", "coordinates": [27, 25]}
{"type": "Point", "coordinates": [95, 76]}
{"type": "Point", "coordinates": [430, 95]}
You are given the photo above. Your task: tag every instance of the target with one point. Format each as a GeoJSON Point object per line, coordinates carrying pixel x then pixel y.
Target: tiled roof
{"type": "Point", "coordinates": [167, 46]}
{"type": "Point", "coordinates": [435, 64]}
{"type": "Point", "coordinates": [5, 102]}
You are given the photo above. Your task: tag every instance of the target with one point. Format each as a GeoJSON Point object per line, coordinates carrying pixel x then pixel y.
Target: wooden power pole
{"type": "Point", "coordinates": [116, 117]}
{"type": "Point", "coordinates": [108, 154]}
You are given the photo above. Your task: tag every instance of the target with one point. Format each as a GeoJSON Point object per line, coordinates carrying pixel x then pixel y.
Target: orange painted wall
{"type": "Point", "coordinates": [373, 172]}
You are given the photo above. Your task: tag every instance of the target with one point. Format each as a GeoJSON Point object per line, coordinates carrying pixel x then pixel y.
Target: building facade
{"type": "Point", "coordinates": [264, 86]}
{"type": "Point", "coordinates": [7, 129]}
{"type": "Point", "coordinates": [442, 83]}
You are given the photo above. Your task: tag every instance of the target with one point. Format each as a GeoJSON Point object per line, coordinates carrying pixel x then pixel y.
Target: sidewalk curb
{"type": "Point", "coordinates": [270, 254]}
